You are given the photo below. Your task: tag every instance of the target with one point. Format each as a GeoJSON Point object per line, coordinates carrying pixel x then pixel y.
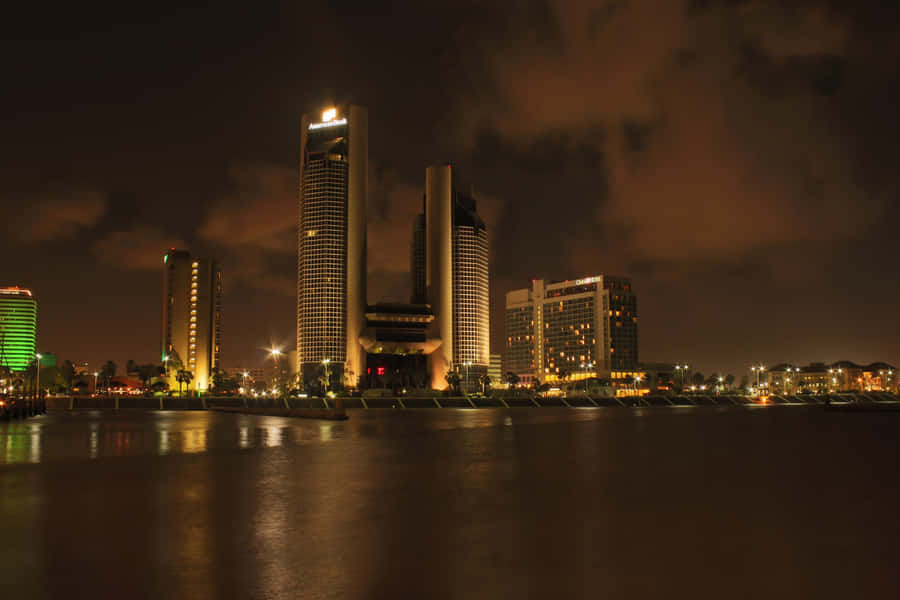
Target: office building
{"type": "Point", "coordinates": [18, 328]}
{"type": "Point", "coordinates": [456, 279]}
{"type": "Point", "coordinates": [191, 315]}
{"type": "Point", "coordinates": [331, 245]}
{"type": "Point", "coordinates": [572, 329]}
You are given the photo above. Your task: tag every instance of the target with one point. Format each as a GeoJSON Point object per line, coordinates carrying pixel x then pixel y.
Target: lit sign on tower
{"type": "Point", "coordinates": [329, 119]}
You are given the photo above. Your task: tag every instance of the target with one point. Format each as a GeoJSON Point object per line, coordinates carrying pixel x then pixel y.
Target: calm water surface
{"type": "Point", "coordinates": [527, 503]}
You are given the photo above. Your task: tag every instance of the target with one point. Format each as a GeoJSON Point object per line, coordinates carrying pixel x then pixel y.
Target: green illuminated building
{"type": "Point", "coordinates": [18, 328]}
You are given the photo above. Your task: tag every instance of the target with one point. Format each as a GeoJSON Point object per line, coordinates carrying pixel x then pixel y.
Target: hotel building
{"type": "Point", "coordinates": [18, 328]}
{"type": "Point", "coordinates": [572, 329]}
{"type": "Point", "coordinates": [331, 244]}
{"type": "Point", "coordinates": [191, 314]}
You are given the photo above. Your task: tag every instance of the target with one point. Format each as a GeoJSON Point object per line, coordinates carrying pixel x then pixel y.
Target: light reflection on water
{"type": "Point", "coordinates": [448, 504]}
{"type": "Point", "coordinates": [92, 435]}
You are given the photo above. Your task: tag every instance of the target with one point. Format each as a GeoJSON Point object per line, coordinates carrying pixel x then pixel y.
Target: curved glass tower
{"type": "Point", "coordinates": [331, 243]}
{"type": "Point", "coordinates": [18, 328]}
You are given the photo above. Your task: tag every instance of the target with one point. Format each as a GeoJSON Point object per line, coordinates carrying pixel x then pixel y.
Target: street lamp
{"type": "Point", "coordinates": [587, 374]}
{"type": "Point", "coordinates": [37, 371]}
{"type": "Point", "coordinates": [96, 374]}
{"type": "Point", "coordinates": [244, 380]}
{"type": "Point", "coordinates": [467, 364]}
{"type": "Point", "coordinates": [327, 362]}
{"type": "Point", "coordinates": [758, 369]}
{"type": "Point", "coordinates": [275, 352]}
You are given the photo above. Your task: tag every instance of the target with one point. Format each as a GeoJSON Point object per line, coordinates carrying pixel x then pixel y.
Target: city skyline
{"type": "Point", "coordinates": [749, 196]}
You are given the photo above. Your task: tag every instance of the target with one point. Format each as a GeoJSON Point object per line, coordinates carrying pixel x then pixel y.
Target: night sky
{"type": "Point", "coordinates": [737, 159]}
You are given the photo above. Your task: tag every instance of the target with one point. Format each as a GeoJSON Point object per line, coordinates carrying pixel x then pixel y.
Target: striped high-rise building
{"type": "Point", "coordinates": [191, 315]}
{"type": "Point", "coordinates": [331, 244]}
{"type": "Point", "coordinates": [18, 328]}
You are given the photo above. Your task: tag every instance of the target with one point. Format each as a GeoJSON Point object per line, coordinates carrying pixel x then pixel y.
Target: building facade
{"type": "Point", "coordinates": [822, 378]}
{"type": "Point", "coordinates": [417, 254]}
{"type": "Point", "coordinates": [331, 245]}
{"type": "Point", "coordinates": [191, 315]}
{"type": "Point", "coordinates": [495, 371]}
{"type": "Point", "coordinates": [18, 328]}
{"type": "Point", "coordinates": [457, 280]}
{"type": "Point", "coordinates": [572, 329]}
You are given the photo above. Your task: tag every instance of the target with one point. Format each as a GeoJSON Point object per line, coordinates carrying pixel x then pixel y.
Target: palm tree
{"type": "Point", "coordinates": [512, 379]}
{"type": "Point", "coordinates": [146, 373]}
{"type": "Point", "coordinates": [173, 361]}
{"type": "Point", "coordinates": [485, 383]}
{"type": "Point", "coordinates": [183, 376]}
{"type": "Point", "coordinates": [68, 374]}
{"type": "Point", "coordinates": [729, 381]}
{"type": "Point", "coordinates": [453, 380]}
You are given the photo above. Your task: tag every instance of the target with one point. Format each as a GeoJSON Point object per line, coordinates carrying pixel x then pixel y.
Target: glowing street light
{"type": "Point", "coordinates": [275, 352]}
{"type": "Point", "coordinates": [327, 362]}
{"type": "Point", "coordinates": [758, 369]}
{"type": "Point", "coordinates": [37, 381]}
{"type": "Point", "coordinates": [467, 364]}
{"type": "Point", "coordinates": [682, 371]}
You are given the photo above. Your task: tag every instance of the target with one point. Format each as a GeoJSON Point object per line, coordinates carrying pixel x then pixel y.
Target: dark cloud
{"type": "Point", "coordinates": [737, 158]}
{"type": "Point", "coordinates": [140, 248]}
{"type": "Point", "coordinates": [56, 214]}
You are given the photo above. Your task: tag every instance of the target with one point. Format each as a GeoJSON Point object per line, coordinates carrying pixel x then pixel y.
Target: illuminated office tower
{"type": "Point", "coordinates": [191, 315]}
{"type": "Point", "coordinates": [331, 244]}
{"type": "Point", "coordinates": [457, 280]}
{"type": "Point", "coordinates": [18, 328]}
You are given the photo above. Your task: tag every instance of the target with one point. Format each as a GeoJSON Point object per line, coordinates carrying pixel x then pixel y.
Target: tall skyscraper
{"type": "Point", "coordinates": [417, 254]}
{"type": "Point", "coordinates": [331, 244]}
{"type": "Point", "coordinates": [18, 328]}
{"type": "Point", "coordinates": [191, 314]}
{"type": "Point", "coordinates": [457, 279]}
{"type": "Point", "coordinates": [576, 328]}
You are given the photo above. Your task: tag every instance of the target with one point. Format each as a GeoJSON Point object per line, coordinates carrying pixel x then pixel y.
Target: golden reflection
{"type": "Point", "coordinates": [94, 440]}
{"type": "Point", "coordinates": [273, 436]}
{"type": "Point", "coordinates": [193, 441]}
{"type": "Point", "coordinates": [244, 437]}
{"type": "Point", "coordinates": [163, 443]}
{"type": "Point", "coordinates": [325, 432]}
{"type": "Point", "coordinates": [15, 445]}
{"type": "Point", "coordinates": [34, 455]}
